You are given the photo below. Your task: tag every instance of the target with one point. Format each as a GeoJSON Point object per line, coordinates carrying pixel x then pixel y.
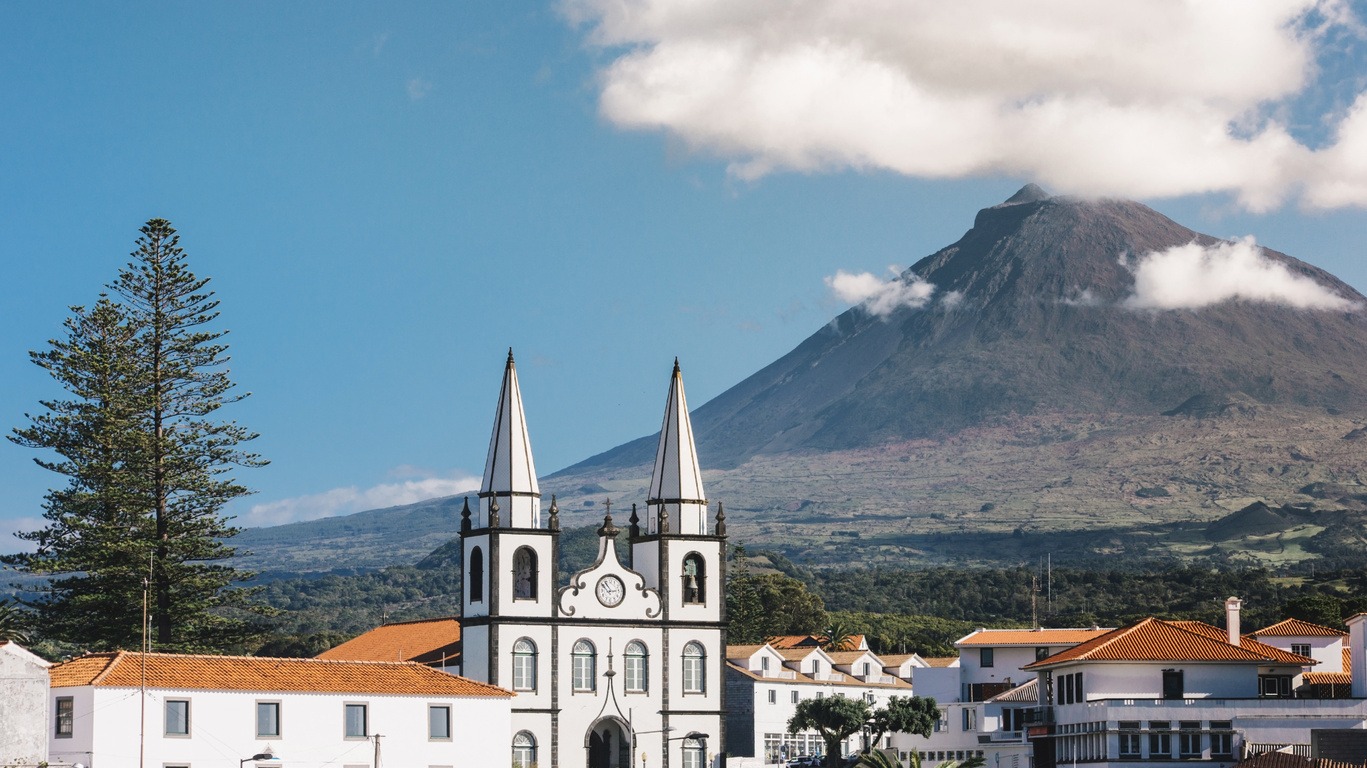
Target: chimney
{"type": "Point", "coordinates": [1232, 606]}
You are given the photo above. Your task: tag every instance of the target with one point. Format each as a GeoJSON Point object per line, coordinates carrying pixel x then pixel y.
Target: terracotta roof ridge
{"type": "Point", "coordinates": [114, 659]}
{"type": "Point", "coordinates": [307, 659]}
{"type": "Point", "coordinates": [1295, 622]}
{"type": "Point", "coordinates": [1236, 646]}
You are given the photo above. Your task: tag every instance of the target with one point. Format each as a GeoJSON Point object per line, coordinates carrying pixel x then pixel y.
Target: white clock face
{"type": "Point", "coordinates": [610, 591]}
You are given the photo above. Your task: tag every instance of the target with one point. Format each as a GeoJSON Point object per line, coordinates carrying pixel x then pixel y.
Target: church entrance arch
{"type": "Point", "coordinates": [608, 744]}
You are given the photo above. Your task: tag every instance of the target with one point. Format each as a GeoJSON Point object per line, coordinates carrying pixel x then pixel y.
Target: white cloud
{"type": "Point", "coordinates": [1192, 276]}
{"type": "Point", "coordinates": [349, 499]}
{"type": "Point", "coordinates": [418, 88]}
{"type": "Point", "coordinates": [1149, 99]}
{"type": "Point", "coordinates": [10, 526]}
{"type": "Point", "coordinates": [877, 296]}
{"type": "Point", "coordinates": [952, 299]}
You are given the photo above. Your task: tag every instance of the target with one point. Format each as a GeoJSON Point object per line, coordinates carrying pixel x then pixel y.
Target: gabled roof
{"type": "Point", "coordinates": [941, 661]}
{"type": "Point", "coordinates": [1028, 637]}
{"type": "Point", "coordinates": [1157, 640]}
{"type": "Point", "coordinates": [426, 641]}
{"type": "Point", "coordinates": [851, 643]}
{"type": "Point", "coordinates": [1027, 693]}
{"type": "Point", "coordinates": [805, 679]}
{"type": "Point", "coordinates": [849, 657]}
{"type": "Point", "coordinates": [1247, 643]}
{"type": "Point", "coordinates": [124, 669]}
{"type": "Point", "coordinates": [798, 654]}
{"type": "Point", "coordinates": [742, 651]}
{"type": "Point", "coordinates": [1298, 628]}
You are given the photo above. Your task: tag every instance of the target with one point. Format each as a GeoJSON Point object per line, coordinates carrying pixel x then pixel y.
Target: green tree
{"type": "Point", "coordinates": [13, 623]}
{"type": "Point", "coordinates": [904, 714]}
{"type": "Point", "coordinates": [759, 606]}
{"type": "Point", "coordinates": [838, 636]}
{"type": "Point", "coordinates": [836, 718]}
{"type": "Point", "coordinates": [146, 460]}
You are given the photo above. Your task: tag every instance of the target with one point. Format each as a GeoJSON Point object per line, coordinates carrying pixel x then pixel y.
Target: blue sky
{"type": "Point", "coordinates": [387, 198]}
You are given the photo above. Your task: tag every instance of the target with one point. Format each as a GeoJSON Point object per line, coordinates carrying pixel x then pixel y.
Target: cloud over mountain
{"type": "Point", "coordinates": [1192, 276]}
{"type": "Point", "coordinates": [877, 296]}
{"type": "Point", "coordinates": [349, 499]}
{"type": "Point", "coordinates": [1139, 100]}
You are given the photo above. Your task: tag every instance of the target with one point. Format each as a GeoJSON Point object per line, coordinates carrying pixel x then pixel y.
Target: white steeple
{"type": "Point", "coordinates": [509, 472]}
{"type": "Point", "coordinates": [676, 483]}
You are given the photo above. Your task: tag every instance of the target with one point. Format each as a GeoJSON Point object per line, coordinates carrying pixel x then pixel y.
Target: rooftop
{"type": "Point", "coordinates": [1298, 628]}
{"type": "Point", "coordinates": [124, 669]}
{"type": "Point", "coordinates": [426, 641]}
{"type": "Point", "coordinates": [1157, 640]}
{"type": "Point", "coordinates": [1029, 637]}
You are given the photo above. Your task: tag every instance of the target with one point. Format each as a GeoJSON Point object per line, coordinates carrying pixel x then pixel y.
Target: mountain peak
{"type": "Point", "coordinates": [1030, 193]}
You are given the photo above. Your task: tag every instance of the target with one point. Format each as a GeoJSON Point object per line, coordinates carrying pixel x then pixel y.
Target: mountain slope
{"type": "Point", "coordinates": [1036, 327]}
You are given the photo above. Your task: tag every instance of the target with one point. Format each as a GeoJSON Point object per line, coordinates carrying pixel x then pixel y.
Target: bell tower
{"type": "Point", "coordinates": [509, 556]}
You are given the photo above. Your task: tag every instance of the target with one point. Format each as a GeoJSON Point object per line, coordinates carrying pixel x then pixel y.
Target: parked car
{"type": "Point", "coordinates": [806, 761]}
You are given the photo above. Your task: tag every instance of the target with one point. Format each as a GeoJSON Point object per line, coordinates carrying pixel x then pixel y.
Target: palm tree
{"type": "Point", "coordinates": [839, 636]}
{"type": "Point", "coordinates": [887, 758]}
{"type": "Point", "coordinates": [13, 623]}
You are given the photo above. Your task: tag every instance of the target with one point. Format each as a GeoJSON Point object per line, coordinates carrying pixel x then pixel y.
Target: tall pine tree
{"type": "Point", "coordinates": [146, 460]}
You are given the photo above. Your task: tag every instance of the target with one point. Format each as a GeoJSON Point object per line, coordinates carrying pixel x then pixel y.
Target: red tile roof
{"type": "Point", "coordinates": [1246, 642]}
{"type": "Point", "coordinates": [852, 643]}
{"type": "Point", "coordinates": [1031, 637]}
{"type": "Point", "coordinates": [1298, 628]}
{"type": "Point", "coordinates": [124, 669]}
{"type": "Point", "coordinates": [1026, 693]}
{"type": "Point", "coordinates": [426, 641]}
{"type": "Point", "coordinates": [1157, 640]}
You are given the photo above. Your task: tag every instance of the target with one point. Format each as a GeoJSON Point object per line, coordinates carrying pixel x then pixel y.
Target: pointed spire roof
{"type": "Point", "coordinates": [509, 471]}
{"type": "Point", "coordinates": [676, 482]}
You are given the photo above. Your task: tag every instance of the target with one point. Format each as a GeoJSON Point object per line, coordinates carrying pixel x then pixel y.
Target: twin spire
{"type": "Point", "coordinates": [510, 497]}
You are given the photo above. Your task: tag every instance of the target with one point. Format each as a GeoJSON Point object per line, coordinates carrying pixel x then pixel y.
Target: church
{"type": "Point", "coordinates": [623, 665]}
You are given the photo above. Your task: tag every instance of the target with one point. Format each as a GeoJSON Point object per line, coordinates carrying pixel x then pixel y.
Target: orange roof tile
{"type": "Point", "coordinates": [999, 637]}
{"type": "Point", "coordinates": [1157, 640]}
{"type": "Point", "coordinates": [852, 643]}
{"type": "Point", "coordinates": [1347, 659]}
{"type": "Point", "coordinates": [940, 661]}
{"type": "Point", "coordinates": [1027, 693]}
{"type": "Point", "coordinates": [1328, 678]}
{"type": "Point", "coordinates": [1246, 642]}
{"type": "Point", "coordinates": [1298, 628]}
{"type": "Point", "coordinates": [124, 669]}
{"type": "Point", "coordinates": [1289, 760]}
{"type": "Point", "coordinates": [426, 641]}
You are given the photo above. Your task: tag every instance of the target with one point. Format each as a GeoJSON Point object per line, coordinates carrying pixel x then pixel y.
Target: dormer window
{"type": "Point", "coordinates": [764, 665]}
{"type": "Point", "coordinates": [694, 579]}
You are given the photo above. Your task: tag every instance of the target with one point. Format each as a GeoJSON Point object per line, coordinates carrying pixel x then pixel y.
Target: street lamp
{"type": "Point", "coordinates": [258, 756]}
{"type": "Point", "coordinates": [635, 733]}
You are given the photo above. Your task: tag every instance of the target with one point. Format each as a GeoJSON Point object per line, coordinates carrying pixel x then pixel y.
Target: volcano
{"type": "Point", "coordinates": [1029, 315]}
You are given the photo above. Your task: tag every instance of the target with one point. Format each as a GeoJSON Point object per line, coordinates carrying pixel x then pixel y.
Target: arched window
{"type": "Point", "coordinates": [692, 753]}
{"type": "Point", "coordinates": [524, 665]}
{"type": "Point", "coordinates": [694, 579]}
{"type": "Point", "coordinates": [636, 667]}
{"type": "Point", "coordinates": [524, 750]}
{"type": "Point", "coordinates": [584, 663]}
{"type": "Point", "coordinates": [476, 577]}
{"type": "Point", "coordinates": [694, 679]}
{"type": "Point", "coordinates": [524, 574]}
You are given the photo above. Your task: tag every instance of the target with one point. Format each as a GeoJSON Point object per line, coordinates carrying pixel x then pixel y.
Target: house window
{"type": "Point", "coordinates": [636, 667]}
{"type": "Point", "coordinates": [354, 721]}
{"type": "Point", "coordinates": [985, 657]}
{"type": "Point", "coordinates": [524, 750]}
{"type": "Point", "coordinates": [267, 718]}
{"type": "Point", "coordinates": [942, 724]}
{"type": "Point", "coordinates": [1221, 739]}
{"type": "Point", "coordinates": [694, 579]}
{"type": "Point", "coordinates": [692, 754]}
{"type": "Point", "coordinates": [476, 577]}
{"type": "Point", "coordinates": [583, 663]}
{"type": "Point", "coordinates": [868, 698]}
{"type": "Point", "coordinates": [177, 717]}
{"type": "Point", "coordinates": [1189, 740]}
{"type": "Point", "coordinates": [773, 696]}
{"type": "Point", "coordinates": [524, 574]}
{"type": "Point", "coordinates": [1129, 739]}
{"type": "Point", "coordinates": [439, 722]}
{"type": "Point", "coordinates": [970, 719]}
{"type": "Point", "coordinates": [65, 719]}
{"type": "Point", "coordinates": [694, 681]}
{"type": "Point", "coordinates": [764, 665]}
{"type": "Point", "coordinates": [1173, 686]}
{"type": "Point", "coordinates": [792, 695]}
{"type": "Point", "coordinates": [868, 669]}
{"type": "Point", "coordinates": [1274, 686]}
{"type": "Point", "coordinates": [1300, 649]}
{"type": "Point", "coordinates": [524, 665]}
{"type": "Point", "coordinates": [1160, 739]}
{"type": "Point", "coordinates": [1041, 653]}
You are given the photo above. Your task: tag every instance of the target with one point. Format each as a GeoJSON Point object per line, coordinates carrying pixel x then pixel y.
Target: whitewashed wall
{"type": "Point", "coordinates": [24, 719]}
{"type": "Point", "coordinates": [223, 730]}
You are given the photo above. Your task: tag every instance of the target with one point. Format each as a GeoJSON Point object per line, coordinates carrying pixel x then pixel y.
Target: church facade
{"type": "Point", "coordinates": [623, 665]}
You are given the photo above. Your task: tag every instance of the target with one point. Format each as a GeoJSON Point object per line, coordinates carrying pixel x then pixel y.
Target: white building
{"type": "Point", "coordinates": [764, 685]}
{"type": "Point", "coordinates": [122, 710]}
{"type": "Point", "coordinates": [23, 706]}
{"type": "Point", "coordinates": [623, 665]}
{"type": "Point", "coordinates": [1170, 692]}
{"type": "Point", "coordinates": [982, 697]}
